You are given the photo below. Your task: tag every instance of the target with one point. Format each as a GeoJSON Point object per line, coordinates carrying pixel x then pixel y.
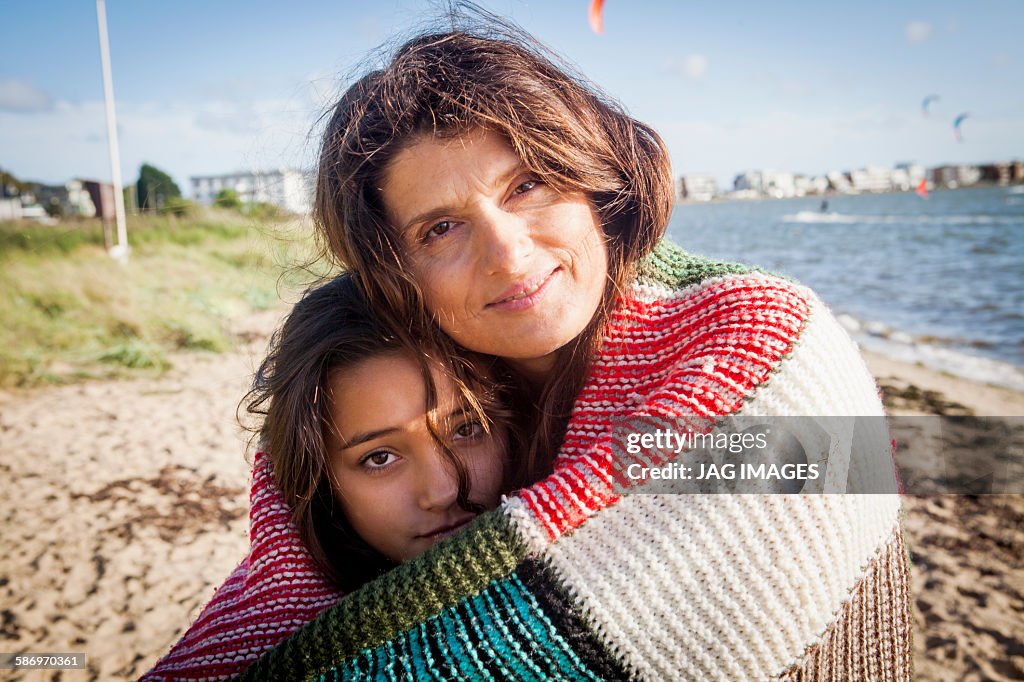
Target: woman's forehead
{"type": "Point", "coordinates": [441, 172]}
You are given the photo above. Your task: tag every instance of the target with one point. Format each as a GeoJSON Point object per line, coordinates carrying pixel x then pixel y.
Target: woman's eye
{"type": "Point", "coordinates": [379, 459]}
{"type": "Point", "coordinates": [438, 229]}
{"type": "Point", "coordinates": [526, 186]}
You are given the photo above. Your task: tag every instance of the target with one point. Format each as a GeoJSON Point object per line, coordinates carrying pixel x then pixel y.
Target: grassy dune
{"type": "Point", "coordinates": [70, 312]}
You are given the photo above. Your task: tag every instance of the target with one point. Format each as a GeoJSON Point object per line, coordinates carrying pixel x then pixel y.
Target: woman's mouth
{"type": "Point", "coordinates": [525, 294]}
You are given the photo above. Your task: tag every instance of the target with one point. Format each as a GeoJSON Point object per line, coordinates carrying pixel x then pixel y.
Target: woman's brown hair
{"type": "Point", "coordinates": [493, 76]}
{"type": "Point", "coordinates": [330, 329]}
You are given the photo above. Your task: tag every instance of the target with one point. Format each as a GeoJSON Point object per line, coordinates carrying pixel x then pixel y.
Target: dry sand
{"type": "Point", "coordinates": [126, 505]}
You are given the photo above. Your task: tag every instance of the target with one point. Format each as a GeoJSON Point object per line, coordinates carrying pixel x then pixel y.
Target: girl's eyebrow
{"type": "Point", "coordinates": [365, 436]}
{"type": "Point", "coordinates": [440, 211]}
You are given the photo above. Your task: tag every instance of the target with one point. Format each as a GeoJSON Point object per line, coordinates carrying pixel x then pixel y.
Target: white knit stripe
{"type": "Point", "coordinates": [826, 356]}
{"type": "Point", "coordinates": [744, 583]}
{"type": "Point", "coordinates": [528, 527]}
{"type": "Point", "coordinates": [739, 592]}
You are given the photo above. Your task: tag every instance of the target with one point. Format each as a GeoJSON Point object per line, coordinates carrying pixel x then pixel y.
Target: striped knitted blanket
{"type": "Point", "coordinates": [570, 579]}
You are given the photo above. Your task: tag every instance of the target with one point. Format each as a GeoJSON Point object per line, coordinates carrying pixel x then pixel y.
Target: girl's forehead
{"type": "Point", "coordinates": [393, 378]}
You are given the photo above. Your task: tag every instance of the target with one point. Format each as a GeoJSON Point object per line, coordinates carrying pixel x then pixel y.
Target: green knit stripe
{"type": "Point", "coordinates": [671, 266]}
{"type": "Point", "coordinates": [462, 566]}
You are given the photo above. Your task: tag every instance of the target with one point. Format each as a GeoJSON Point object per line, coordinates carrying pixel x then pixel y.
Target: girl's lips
{"type": "Point", "coordinates": [524, 295]}
{"type": "Point", "coordinates": [446, 530]}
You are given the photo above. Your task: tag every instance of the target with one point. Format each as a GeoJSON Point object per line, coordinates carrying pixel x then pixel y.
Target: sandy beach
{"type": "Point", "coordinates": [127, 501]}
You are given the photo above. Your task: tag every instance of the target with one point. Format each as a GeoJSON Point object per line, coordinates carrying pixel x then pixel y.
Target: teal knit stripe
{"type": "Point", "coordinates": [500, 634]}
{"type": "Point", "coordinates": [397, 602]}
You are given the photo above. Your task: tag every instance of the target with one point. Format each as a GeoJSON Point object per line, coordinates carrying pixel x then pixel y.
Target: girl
{"type": "Point", "coordinates": [380, 450]}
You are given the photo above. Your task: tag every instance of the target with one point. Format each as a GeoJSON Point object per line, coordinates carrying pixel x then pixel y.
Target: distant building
{"type": "Point", "coordinates": [839, 182]}
{"type": "Point", "coordinates": [77, 198]}
{"type": "Point", "coordinates": [962, 175]}
{"type": "Point", "coordinates": [806, 184]}
{"type": "Point", "coordinates": [1002, 172]}
{"type": "Point", "coordinates": [778, 184]}
{"type": "Point", "coordinates": [697, 188]}
{"type": "Point", "coordinates": [871, 179]}
{"type": "Point", "coordinates": [10, 209]}
{"type": "Point", "coordinates": [748, 181]}
{"type": "Point", "coordinates": [285, 188]}
{"type": "Point", "coordinates": [907, 176]}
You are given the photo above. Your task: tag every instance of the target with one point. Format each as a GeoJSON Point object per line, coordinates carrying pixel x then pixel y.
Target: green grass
{"type": "Point", "coordinates": [71, 313]}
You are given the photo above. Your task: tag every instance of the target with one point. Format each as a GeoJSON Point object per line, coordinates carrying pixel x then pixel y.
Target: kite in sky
{"type": "Point", "coordinates": [956, 126]}
{"type": "Point", "coordinates": [927, 101]}
{"type": "Point", "coordinates": [596, 20]}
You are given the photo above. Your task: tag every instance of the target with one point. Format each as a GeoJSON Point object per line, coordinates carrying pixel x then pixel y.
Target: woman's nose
{"type": "Point", "coordinates": [439, 484]}
{"type": "Point", "coordinates": [505, 241]}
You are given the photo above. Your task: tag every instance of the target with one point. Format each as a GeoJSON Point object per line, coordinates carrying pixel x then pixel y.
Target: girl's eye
{"type": "Point", "coordinates": [378, 459]}
{"type": "Point", "coordinates": [469, 429]}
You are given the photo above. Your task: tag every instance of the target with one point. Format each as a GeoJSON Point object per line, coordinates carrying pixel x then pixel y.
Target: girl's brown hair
{"type": "Point", "coordinates": [497, 77]}
{"type": "Point", "coordinates": [331, 328]}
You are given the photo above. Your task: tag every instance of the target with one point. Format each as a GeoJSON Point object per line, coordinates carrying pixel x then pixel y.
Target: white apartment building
{"type": "Point", "coordinates": [773, 183]}
{"type": "Point", "coordinates": [907, 176]}
{"type": "Point", "coordinates": [805, 185]}
{"type": "Point", "coordinates": [286, 188]}
{"type": "Point", "coordinates": [697, 188]}
{"type": "Point", "coordinates": [839, 182]}
{"type": "Point", "coordinates": [871, 179]}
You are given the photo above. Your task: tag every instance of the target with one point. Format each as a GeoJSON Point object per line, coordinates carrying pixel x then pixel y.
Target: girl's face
{"type": "Point", "coordinates": [397, 489]}
{"type": "Point", "coordinates": [509, 266]}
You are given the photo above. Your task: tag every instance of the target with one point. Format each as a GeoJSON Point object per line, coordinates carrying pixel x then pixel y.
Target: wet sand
{"type": "Point", "coordinates": [126, 505]}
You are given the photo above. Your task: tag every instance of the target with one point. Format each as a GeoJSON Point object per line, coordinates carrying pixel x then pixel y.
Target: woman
{"type": "Point", "coordinates": [484, 197]}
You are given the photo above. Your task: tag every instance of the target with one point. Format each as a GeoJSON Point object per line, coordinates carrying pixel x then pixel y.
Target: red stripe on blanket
{"type": "Point", "coordinates": [701, 355]}
{"type": "Point", "coordinates": [269, 596]}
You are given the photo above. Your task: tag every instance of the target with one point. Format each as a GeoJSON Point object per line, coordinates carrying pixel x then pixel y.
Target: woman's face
{"type": "Point", "coordinates": [507, 265]}
{"type": "Point", "coordinates": [393, 482]}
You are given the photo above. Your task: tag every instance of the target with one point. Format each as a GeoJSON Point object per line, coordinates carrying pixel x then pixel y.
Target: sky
{"type": "Point", "coordinates": [205, 88]}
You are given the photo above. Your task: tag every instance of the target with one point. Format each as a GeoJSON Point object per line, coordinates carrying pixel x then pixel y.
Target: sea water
{"type": "Point", "coordinates": [938, 280]}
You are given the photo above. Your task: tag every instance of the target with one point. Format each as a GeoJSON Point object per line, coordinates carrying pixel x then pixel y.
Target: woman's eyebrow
{"type": "Point", "coordinates": [441, 211]}
{"type": "Point", "coordinates": [425, 216]}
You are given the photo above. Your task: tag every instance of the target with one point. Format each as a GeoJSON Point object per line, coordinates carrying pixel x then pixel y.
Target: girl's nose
{"type": "Point", "coordinates": [439, 484]}
{"type": "Point", "coordinates": [505, 241]}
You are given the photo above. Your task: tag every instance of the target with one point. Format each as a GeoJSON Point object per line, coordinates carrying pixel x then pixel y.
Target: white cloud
{"type": "Point", "coordinates": [918, 31]}
{"type": "Point", "coordinates": [696, 65]}
{"type": "Point", "coordinates": [693, 66]}
{"type": "Point", "coordinates": [19, 96]}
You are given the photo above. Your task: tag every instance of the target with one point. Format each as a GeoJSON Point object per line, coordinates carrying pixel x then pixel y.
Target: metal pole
{"type": "Point", "coordinates": [121, 249]}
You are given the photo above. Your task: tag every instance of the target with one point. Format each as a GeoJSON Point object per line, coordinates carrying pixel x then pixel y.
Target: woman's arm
{"type": "Point", "coordinates": [569, 578]}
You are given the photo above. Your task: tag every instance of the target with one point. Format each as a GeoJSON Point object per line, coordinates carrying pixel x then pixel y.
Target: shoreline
{"type": "Point", "coordinates": [725, 198]}
{"type": "Point", "coordinates": [128, 504]}
{"type": "Point", "coordinates": [982, 400]}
